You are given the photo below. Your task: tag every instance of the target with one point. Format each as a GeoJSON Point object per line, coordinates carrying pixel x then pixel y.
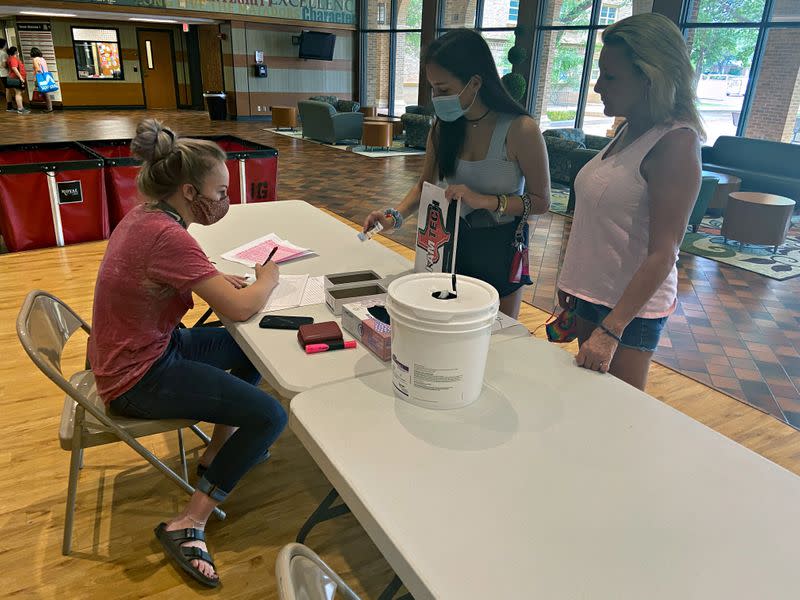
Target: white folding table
{"type": "Point", "coordinates": [276, 353]}
{"type": "Point", "coordinates": [557, 483]}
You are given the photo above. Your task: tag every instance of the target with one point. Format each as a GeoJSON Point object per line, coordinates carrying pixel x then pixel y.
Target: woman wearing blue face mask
{"type": "Point", "coordinates": [490, 154]}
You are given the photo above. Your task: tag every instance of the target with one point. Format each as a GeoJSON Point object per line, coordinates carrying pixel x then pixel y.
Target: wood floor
{"type": "Point", "coordinates": [120, 499]}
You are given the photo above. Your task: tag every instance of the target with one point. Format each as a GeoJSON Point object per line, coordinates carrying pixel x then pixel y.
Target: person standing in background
{"type": "Point", "coordinates": [40, 66]}
{"type": "Point", "coordinates": [16, 71]}
{"type": "Point", "coordinates": [4, 73]}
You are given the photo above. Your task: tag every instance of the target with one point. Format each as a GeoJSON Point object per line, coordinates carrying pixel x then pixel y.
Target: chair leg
{"type": "Point", "coordinates": [182, 451]}
{"type": "Point", "coordinates": [201, 434]}
{"type": "Point", "coordinates": [81, 463]}
{"type": "Point", "coordinates": [75, 459]}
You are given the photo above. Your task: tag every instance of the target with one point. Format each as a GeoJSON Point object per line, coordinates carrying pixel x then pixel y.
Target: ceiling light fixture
{"type": "Point", "coordinates": [144, 20]}
{"type": "Point", "coordinates": [33, 13]}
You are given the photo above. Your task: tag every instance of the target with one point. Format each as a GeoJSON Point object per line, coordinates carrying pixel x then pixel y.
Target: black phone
{"type": "Point", "coordinates": [281, 322]}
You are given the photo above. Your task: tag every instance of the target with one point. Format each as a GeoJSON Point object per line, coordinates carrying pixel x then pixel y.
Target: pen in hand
{"type": "Point", "coordinates": [271, 254]}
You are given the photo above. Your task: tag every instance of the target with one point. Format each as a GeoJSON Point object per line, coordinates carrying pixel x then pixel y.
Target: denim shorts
{"type": "Point", "coordinates": [640, 334]}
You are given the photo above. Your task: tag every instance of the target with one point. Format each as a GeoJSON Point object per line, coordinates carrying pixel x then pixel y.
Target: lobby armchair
{"type": "Point", "coordinates": [321, 122]}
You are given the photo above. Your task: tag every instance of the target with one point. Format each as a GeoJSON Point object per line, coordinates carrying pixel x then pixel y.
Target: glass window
{"type": "Point", "coordinates": [500, 42]}
{"type": "Point", "coordinates": [722, 59]}
{"type": "Point", "coordinates": [776, 99]}
{"type": "Point", "coordinates": [786, 10]}
{"type": "Point", "coordinates": [595, 121]}
{"type": "Point", "coordinates": [727, 11]}
{"type": "Point", "coordinates": [567, 12]}
{"type": "Point", "coordinates": [378, 14]}
{"type": "Point", "coordinates": [560, 69]}
{"type": "Point", "coordinates": [458, 13]}
{"type": "Point", "coordinates": [608, 15]}
{"type": "Point", "coordinates": [513, 12]}
{"type": "Point", "coordinates": [377, 71]}
{"type": "Point", "coordinates": [406, 69]}
{"type": "Point", "coordinates": [495, 13]}
{"type": "Point", "coordinates": [409, 14]}
{"type": "Point", "coordinates": [97, 53]}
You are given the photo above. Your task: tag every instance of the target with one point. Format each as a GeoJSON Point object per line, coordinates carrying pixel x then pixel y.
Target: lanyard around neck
{"type": "Point", "coordinates": [166, 208]}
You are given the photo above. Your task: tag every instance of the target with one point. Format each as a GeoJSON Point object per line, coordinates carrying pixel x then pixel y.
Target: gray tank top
{"type": "Point", "coordinates": [493, 175]}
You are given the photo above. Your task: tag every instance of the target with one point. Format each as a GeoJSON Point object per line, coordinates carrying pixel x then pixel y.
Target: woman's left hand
{"type": "Point", "coordinates": [597, 352]}
{"type": "Point", "coordinates": [236, 281]}
{"type": "Point", "coordinates": [467, 196]}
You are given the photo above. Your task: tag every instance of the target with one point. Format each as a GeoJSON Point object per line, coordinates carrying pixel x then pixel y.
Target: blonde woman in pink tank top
{"type": "Point", "coordinates": [633, 200]}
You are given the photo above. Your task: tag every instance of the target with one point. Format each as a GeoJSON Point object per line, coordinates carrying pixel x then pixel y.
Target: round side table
{"type": "Point", "coordinates": [756, 218]}
{"type": "Point", "coordinates": [377, 134]}
{"type": "Point", "coordinates": [726, 184]}
{"type": "Point", "coordinates": [284, 117]}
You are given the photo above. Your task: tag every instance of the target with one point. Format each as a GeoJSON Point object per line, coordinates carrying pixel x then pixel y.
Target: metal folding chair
{"type": "Point", "coordinates": [44, 326]}
{"type": "Point", "coordinates": [302, 575]}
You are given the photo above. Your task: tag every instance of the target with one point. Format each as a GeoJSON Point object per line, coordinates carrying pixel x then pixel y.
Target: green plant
{"type": "Point", "coordinates": [516, 85]}
{"type": "Point", "coordinates": [517, 55]}
{"type": "Point", "coordinates": [561, 115]}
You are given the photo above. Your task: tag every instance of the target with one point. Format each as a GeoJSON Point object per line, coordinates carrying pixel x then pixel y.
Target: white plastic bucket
{"type": "Point", "coordinates": [439, 346]}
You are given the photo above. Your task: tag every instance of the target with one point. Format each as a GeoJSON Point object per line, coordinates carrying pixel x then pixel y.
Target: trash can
{"type": "Point", "coordinates": [51, 194]}
{"type": "Point", "coordinates": [120, 170]}
{"type": "Point", "coordinates": [253, 168]}
{"type": "Point", "coordinates": [217, 107]}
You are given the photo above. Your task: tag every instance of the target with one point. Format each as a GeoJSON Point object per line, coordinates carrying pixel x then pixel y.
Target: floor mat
{"type": "Point", "coordinates": [398, 146]}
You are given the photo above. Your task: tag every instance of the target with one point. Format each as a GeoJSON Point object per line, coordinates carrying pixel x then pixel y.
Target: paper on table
{"type": "Point", "coordinates": [287, 294]}
{"type": "Point", "coordinates": [258, 250]}
{"type": "Point", "coordinates": [314, 292]}
{"type": "Point", "coordinates": [502, 321]}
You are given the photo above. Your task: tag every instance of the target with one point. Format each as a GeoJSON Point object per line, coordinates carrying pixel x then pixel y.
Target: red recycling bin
{"type": "Point", "coordinates": [120, 170]}
{"type": "Point", "coordinates": [51, 194]}
{"type": "Point", "coordinates": [253, 168]}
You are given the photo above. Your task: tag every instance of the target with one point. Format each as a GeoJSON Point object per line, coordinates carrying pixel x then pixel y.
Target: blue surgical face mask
{"type": "Point", "coordinates": [448, 108]}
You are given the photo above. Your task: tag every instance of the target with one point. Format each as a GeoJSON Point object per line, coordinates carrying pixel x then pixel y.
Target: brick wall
{"type": "Point", "coordinates": [777, 95]}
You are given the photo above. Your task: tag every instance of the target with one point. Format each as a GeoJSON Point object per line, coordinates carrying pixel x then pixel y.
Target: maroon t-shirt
{"type": "Point", "coordinates": [143, 290]}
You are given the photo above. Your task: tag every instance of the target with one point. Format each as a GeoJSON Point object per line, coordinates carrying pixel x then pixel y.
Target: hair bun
{"type": "Point", "coordinates": [153, 141]}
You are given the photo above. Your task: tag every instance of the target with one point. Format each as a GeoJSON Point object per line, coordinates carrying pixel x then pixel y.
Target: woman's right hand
{"type": "Point", "coordinates": [268, 272]}
{"type": "Point", "coordinates": [377, 216]}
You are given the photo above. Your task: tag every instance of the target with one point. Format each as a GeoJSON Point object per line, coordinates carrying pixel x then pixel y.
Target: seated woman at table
{"type": "Point", "coordinates": [490, 154]}
{"type": "Point", "coordinates": [633, 199]}
{"type": "Point", "coordinates": [145, 365]}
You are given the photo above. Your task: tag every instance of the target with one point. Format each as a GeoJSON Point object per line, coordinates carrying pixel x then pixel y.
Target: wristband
{"type": "Point", "coordinates": [609, 333]}
{"type": "Point", "coordinates": [396, 217]}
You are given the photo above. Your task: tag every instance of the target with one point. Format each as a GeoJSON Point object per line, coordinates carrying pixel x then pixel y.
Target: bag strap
{"type": "Point", "coordinates": [519, 234]}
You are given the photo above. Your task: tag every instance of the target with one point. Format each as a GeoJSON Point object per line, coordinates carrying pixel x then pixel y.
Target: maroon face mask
{"type": "Point", "coordinates": [207, 211]}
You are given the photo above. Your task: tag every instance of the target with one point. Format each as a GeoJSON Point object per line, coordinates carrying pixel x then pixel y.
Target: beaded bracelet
{"type": "Point", "coordinates": [609, 333]}
{"type": "Point", "coordinates": [396, 217]}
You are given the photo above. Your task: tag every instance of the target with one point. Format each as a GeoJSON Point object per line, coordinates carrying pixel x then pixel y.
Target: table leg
{"type": "Point", "coordinates": [324, 512]}
{"type": "Point", "coordinates": [394, 586]}
{"type": "Point", "coordinates": [201, 322]}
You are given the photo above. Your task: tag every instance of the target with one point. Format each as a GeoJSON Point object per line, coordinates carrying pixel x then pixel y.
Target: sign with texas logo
{"type": "Point", "coordinates": [437, 232]}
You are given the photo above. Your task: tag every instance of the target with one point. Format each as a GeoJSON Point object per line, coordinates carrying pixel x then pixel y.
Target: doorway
{"type": "Point", "coordinates": [157, 60]}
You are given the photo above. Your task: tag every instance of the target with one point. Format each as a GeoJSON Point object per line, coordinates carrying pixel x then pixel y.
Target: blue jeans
{"type": "Point", "coordinates": [640, 334]}
{"type": "Point", "coordinates": [190, 381]}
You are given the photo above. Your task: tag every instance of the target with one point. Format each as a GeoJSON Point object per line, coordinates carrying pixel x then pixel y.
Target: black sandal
{"type": "Point", "coordinates": [201, 469]}
{"type": "Point", "coordinates": [171, 542]}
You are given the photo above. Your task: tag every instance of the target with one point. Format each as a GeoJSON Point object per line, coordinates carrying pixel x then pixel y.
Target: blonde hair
{"type": "Point", "coordinates": [658, 51]}
{"type": "Point", "coordinates": [169, 161]}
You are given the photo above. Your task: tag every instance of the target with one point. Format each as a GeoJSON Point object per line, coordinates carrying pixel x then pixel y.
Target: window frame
{"type": "Point", "coordinates": [365, 29]}
{"type": "Point", "coordinates": [75, 52]}
{"type": "Point", "coordinates": [764, 26]}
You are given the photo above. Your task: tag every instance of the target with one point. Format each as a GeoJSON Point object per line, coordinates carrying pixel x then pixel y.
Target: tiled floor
{"type": "Point", "coordinates": [733, 330]}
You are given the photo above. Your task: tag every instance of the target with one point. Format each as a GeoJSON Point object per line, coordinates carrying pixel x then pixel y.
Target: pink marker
{"type": "Point", "coordinates": [317, 348]}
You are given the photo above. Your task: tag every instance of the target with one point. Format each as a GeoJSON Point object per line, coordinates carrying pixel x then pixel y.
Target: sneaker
{"type": "Point", "coordinates": [11, 110]}
{"type": "Point", "coordinates": [24, 111]}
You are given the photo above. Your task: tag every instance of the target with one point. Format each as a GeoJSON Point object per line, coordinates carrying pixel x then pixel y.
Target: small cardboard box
{"type": "Point", "coordinates": [351, 277]}
{"type": "Point", "coordinates": [339, 295]}
{"type": "Point", "coordinates": [371, 332]}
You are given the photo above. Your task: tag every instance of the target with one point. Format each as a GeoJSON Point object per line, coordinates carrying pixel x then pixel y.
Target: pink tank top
{"type": "Point", "coordinates": [611, 229]}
